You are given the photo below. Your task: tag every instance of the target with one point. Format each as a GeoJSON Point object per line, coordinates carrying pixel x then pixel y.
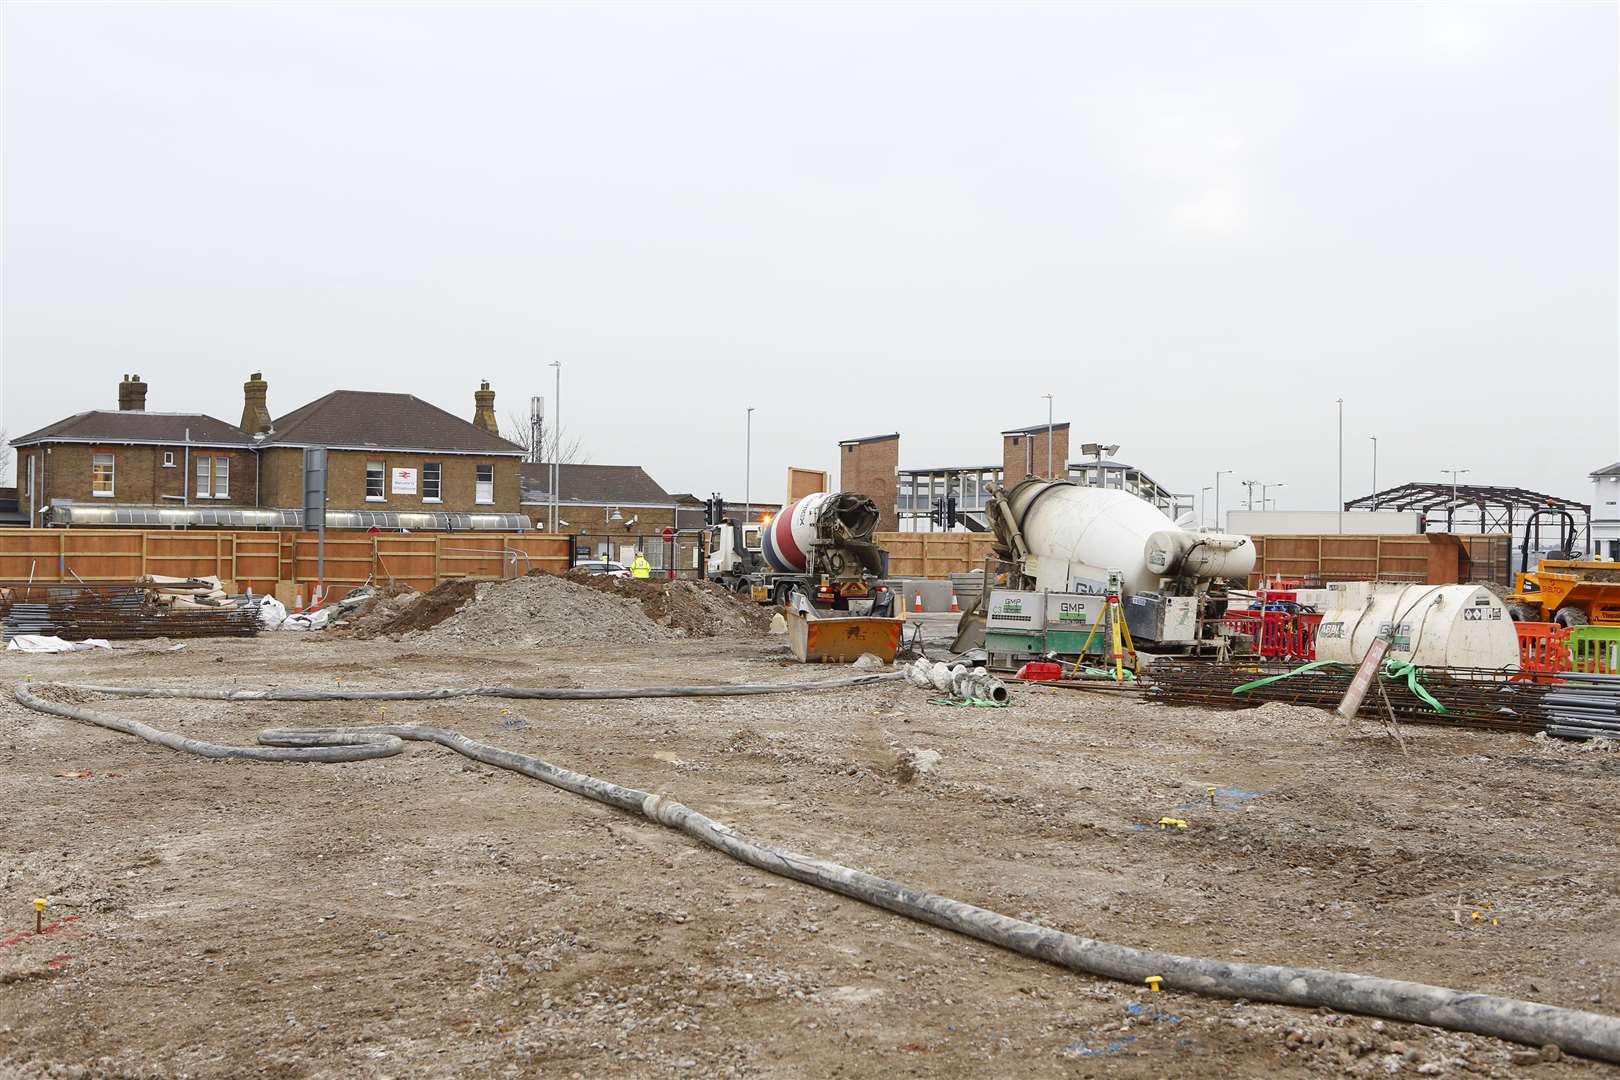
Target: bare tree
{"type": "Point", "coordinates": [519, 431]}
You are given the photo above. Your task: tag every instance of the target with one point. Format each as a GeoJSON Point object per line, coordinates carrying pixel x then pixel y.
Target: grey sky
{"type": "Point", "coordinates": [1195, 224]}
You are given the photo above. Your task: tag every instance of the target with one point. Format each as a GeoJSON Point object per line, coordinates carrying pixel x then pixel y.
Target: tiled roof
{"type": "Point", "coordinates": [605, 485]}
{"type": "Point", "coordinates": [135, 425]}
{"type": "Point", "coordinates": [367, 418]}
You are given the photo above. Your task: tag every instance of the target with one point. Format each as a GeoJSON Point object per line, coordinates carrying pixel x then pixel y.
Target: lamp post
{"type": "Point", "coordinates": [1374, 439]}
{"type": "Point", "coordinates": [1263, 487]}
{"type": "Point", "coordinates": [1203, 504]}
{"type": "Point", "coordinates": [1251, 485]}
{"type": "Point", "coordinates": [1452, 509]}
{"type": "Point", "coordinates": [1340, 506]}
{"type": "Point", "coordinates": [556, 445]}
{"type": "Point", "coordinates": [1048, 398]}
{"type": "Point", "coordinates": [1219, 473]}
{"type": "Point", "coordinates": [748, 469]}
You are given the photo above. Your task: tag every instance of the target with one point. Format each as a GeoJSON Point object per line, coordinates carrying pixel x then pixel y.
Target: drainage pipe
{"type": "Point", "coordinates": [1574, 1031]}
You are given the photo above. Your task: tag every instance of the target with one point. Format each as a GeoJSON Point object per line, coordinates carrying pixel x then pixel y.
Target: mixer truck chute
{"type": "Point", "coordinates": [1059, 537]}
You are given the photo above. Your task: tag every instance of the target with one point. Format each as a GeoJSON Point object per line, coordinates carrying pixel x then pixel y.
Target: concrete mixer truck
{"type": "Point", "coordinates": [819, 548]}
{"type": "Point", "coordinates": [1063, 547]}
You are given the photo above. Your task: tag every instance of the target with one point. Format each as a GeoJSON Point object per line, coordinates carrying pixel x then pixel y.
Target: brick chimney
{"type": "Point", "coordinates": [484, 409]}
{"type": "Point", "coordinates": [255, 405]}
{"type": "Point", "coordinates": [132, 394]}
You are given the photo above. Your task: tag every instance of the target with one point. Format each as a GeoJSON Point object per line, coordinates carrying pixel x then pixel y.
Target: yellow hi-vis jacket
{"type": "Point", "coordinates": [640, 567]}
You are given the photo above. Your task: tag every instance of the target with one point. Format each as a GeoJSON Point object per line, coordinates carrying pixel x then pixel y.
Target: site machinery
{"type": "Point", "coordinates": [1062, 547]}
{"type": "Point", "coordinates": [819, 548]}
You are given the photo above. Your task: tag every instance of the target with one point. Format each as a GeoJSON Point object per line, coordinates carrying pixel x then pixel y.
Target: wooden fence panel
{"type": "Point", "coordinates": [407, 560]}
{"type": "Point", "coordinates": [257, 565]}
{"type": "Point", "coordinates": [934, 555]}
{"type": "Point", "coordinates": [1372, 558]}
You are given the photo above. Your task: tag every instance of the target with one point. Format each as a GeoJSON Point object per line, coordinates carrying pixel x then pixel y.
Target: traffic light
{"type": "Point", "coordinates": [950, 511]}
{"type": "Point", "coordinates": [937, 514]}
{"type": "Point", "coordinates": [714, 510]}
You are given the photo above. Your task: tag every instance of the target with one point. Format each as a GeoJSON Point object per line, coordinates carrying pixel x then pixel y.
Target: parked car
{"type": "Point", "coordinates": [603, 568]}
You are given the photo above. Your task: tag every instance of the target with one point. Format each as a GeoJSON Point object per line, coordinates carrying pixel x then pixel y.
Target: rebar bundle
{"type": "Point", "coordinates": [118, 612]}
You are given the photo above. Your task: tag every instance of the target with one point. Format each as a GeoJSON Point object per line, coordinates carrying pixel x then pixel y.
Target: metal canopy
{"type": "Point", "coordinates": [65, 512]}
{"type": "Point", "coordinates": [1498, 509]}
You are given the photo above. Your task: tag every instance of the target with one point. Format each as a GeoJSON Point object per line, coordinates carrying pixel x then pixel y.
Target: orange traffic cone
{"type": "Point", "coordinates": [916, 604]}
{"type": "Point", "coordinates": [954, 605]}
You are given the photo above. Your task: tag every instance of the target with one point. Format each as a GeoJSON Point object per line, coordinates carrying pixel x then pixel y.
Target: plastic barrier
{"type": "Point", "coordinates": [1594, 650]}
{"type": "Point", "coordinates": [1280, 635]}
{"type": "Point", "coordinates": [1543, 649]}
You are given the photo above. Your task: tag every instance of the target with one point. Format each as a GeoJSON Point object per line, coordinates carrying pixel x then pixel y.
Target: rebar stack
{"type": "Point", "coordinates": [117, 612]}
{"type": "Point", "coordinates": [1582, 707]}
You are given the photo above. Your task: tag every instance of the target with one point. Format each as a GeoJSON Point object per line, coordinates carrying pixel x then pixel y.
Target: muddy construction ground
{"type": "Point", "coordinates": [424, 915]}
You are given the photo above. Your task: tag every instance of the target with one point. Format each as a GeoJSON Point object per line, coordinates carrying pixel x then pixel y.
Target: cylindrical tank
{"type": "Point", "coordinates": [1452, 626]}
{"type": "Point", "coordinates": [829, 515]}
{"type": "Point", "coordinates": [1107, 529]}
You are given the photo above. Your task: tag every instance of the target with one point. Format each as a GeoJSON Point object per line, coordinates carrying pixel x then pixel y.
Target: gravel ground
{"type": "Point", "coordinates": [427, 916]}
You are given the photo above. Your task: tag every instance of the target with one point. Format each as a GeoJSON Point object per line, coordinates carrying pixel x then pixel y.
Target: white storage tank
{"type": "Point", "coordinates": [1452, 626]}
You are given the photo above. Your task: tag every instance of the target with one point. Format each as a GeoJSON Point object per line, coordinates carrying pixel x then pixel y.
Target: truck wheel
{"type": "Point", "coordinates": [1569, 616]}
{"type": "Point", "coordinates": [1524, 613]}
{"type": "Point", "coordinates": [780, 594]}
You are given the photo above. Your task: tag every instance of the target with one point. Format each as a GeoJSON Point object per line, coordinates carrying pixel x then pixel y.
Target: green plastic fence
{"type": "Point", "coordinates": [1595, 650]}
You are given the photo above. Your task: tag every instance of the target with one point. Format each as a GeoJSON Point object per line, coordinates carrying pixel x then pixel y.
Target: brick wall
{"type": "Point", "coordinates": [346, 482]}
{"type": "Point", "coordinates": [1024, 454]}
{"type": "Point", "coordinates": [869, 467]}
{"type": "Point", "coordinates": [139, 474]}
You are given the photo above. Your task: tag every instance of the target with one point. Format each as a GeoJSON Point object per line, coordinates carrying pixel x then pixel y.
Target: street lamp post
{"type": "Point", "coordinates": [556, 447]}
{"type": "Point", "coordinates": [1048, 398]}
{"type": "Point", "coordinates": [1249, 499]}
{"type": "Point", "coordinates": [1203, 503]}
{"type": "Point", "coordinates": [748, 469]}
{"type": "Point", "coordinates": [1263, 487]}
{"type": "Point", "coordinates": [1452, 509]}
{"type": "Point", "coordinates": [1340, 506]}
{"type": "Point", "coordinates": [1220, 473]}
{"type": "Point", "coordinates": [1374, 439]}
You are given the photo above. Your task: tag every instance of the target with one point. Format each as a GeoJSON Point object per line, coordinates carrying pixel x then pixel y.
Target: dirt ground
{"type": "Point", "coordinates": [424, 915]}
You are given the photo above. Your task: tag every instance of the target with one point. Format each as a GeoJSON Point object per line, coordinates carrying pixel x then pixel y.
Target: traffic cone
{"type": "Point", "coordinates": [954, 605]}
{"type": "Point", "coordinates": [916, 604]}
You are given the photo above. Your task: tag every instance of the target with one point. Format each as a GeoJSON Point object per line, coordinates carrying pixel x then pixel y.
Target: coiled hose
{"type": "Point", "coordinates": [1574, 1031]}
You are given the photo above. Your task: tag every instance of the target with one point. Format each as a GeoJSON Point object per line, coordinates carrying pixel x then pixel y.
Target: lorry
{"type": "Point", "coordinates": [1069, 549]}
{"type": "Point", "coordinates": [814, 554]}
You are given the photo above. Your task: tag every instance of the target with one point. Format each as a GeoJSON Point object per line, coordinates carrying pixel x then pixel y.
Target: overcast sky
{"type": "Point", "coordinates": [1196, 225]}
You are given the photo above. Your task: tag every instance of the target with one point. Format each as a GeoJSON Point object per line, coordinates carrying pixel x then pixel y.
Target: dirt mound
{"type": "Point", "coordinates": [399, 609]}
{"type": "Point", "coordinates": [541, 610]}
{"type": "Point", "coordinates": [699, 608]}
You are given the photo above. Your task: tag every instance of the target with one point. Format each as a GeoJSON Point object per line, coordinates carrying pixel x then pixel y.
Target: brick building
{"type": "Point", "coordinates": [609, 508]}
{"type": "Point", "coordinates": [1024, 452]}
{"type": "Point", "coordinates": [870, 466]}
{"type": "Point", "coordinates": [388, 454]}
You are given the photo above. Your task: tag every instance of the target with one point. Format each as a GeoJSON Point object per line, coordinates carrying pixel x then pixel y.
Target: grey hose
{"type": "Point", "coordinates": [1574, 1031]}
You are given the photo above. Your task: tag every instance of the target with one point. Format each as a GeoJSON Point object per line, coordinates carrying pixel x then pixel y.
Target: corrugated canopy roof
{"type": "Point", "coordinates": [135, 425]}
{"type": "Point", "coordinates": [367, 418]}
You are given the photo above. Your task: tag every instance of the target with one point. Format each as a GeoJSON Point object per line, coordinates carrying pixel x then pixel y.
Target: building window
{"type": "Point", "coordinates": [168, 459]}
{"type": "Point", "coordinates": [484, 488]}
{"type": "Point", "coordinates": [432, 481]}
{"type": "Point", "coordinates": [202, 491]}
{"type": "Point", "coordinates": [101, 476]}
{"type": "Point", "coordinates": [374, 481]}
{"type": "Point", "coordinates": [222, 477]}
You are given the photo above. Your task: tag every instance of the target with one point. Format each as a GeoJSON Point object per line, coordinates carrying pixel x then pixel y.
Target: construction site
{"type": "Point", "coordinates": [1120, 804]}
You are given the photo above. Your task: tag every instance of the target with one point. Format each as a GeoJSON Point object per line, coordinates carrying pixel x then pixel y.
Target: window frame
{"type": "Point", "coordinates": [112, 474]}
{"type": "Point", "coordinates": [436, 469]}
{"type": "Point", "coordinates": [382, 479]}
{"type": "Point", "coordinates": [202, 481]}
{"type": "Point", "coordinates": [222, 475]}
{"type": "Point", "coordinates": [479, 485]}
{"type": "Point", "coordinates": [168, 459]}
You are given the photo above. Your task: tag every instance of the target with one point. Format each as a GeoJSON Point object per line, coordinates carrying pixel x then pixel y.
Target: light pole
{"type": "Point", "coordinates": [1203, 503]}
{"type": "Point", "coordinates": [1263, 494]}
{"type": "Point", "coordinates": [748, 469]}
{"type": "Point", "coordinates": [1374, 439]}
{"type": "Point", "coordinates": [1340, 506]}
{"type": "Point", "coordinates": [556, 447]}
{"type": "Point", "coordinates": [1048, 398]}
{"type": "Point", "coordinates": [1220, 473]}
{"type": "Point", "coordinates": [1452, 509]}
{"type": "Point", "coordinates": [1251, 485]}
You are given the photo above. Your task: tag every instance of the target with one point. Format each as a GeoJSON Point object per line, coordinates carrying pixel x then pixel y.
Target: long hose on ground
{"type": "Point", "coordinates": [1573, 1031]}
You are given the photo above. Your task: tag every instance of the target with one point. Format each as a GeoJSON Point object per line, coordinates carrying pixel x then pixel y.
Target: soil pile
{"type": "Point", "coordinates": [699, 608]}
{"type": "Point", "coordinates": [539, 610]}
{"type": "Point", "coordinates": [400, 609]}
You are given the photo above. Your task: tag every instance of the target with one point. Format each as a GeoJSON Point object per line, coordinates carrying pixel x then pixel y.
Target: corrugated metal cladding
{"type": "Point", "coordinates": [64, 513]}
